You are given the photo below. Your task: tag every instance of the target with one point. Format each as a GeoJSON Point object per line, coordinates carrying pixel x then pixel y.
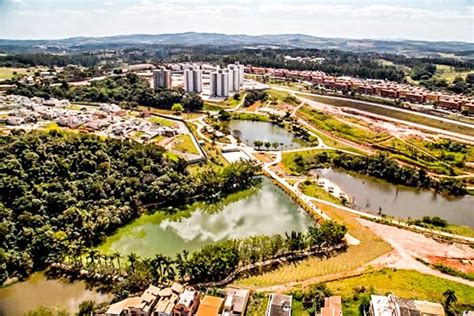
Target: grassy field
{"type": "Point", "coordinates": [162, 121]}
{"type": "Point", "coordinates": [277, 97]}
{"type": "Point", "coordinates": [402, 283]}
{"type": "Point", "coordinates": [408, 153]}
{"type": "Point", "coordinates": [250, 117]}
{"type": "Point", "coordinates": [460, 230]}
{"type": "Point", "coordinates": [330, 123]}
{"type": "Point", "coordinates": [8, 73]}
{"type": "Point", "coordinates": [185, 144]}
{"type": "Point", "coordinates": [288, 159]}
{"type": "Point", "coordinates": [228, 103]}
{"type": "Point", "coordinates": [449, 73]}
{"type": "Point", "coordinates": [354, 257]}
{"type": "Point", "coordinates": [329, 141]}
{"type": "Point", "coordinates": [312, 189]}
{"type": "Point", "coordinates": [409, 117]}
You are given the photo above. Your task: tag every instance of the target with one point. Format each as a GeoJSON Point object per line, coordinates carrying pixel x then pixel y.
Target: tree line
{"type": "Point", "coordinates": [49, 60]}
{"type": "Point", "coordinates": [382, 167]}
{"type": "Point", "coordinates": [213, 262]}
{"type": "Point", "coordinates": [68, 191]}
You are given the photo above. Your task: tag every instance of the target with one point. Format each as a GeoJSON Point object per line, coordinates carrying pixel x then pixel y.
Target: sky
{"type": "Point", "coordinates": [433, 20]}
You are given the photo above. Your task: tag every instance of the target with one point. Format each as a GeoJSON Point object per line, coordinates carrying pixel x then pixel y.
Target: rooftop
{"type": "Point", "coordinates": [117, 308]}
{"type": "Point", "coordinates": [210, 306]}
{"type": "Point", "coordinates": [279, 305]}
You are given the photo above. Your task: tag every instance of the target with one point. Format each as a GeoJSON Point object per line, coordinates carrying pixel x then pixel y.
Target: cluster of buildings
{"type": "Point", "coordinates": [108, 119]}
{"type": "Point", "coordinates": [380, 88]}
{"type": "Point", "coordinates": [394, 306]}
{"type": "Point", "coordinates": [216, 82]}
{"type": "Point", "coordinates": [178, 300]}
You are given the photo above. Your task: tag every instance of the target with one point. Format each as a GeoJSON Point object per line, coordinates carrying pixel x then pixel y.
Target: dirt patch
{"type": "Point", "coordinates": [409, 245]}
{"type": "Point", "coordinates": [464, 265]}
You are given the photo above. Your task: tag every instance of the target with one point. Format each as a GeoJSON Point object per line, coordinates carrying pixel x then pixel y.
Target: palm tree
{"type": "Point", "coordinates": [449, 300]}
{"type": "Point", "coordinates": [132, 258]}
{"type": "Point", "coordinates": [116, 256]}
{"type": "Point", "coordinates": [181, 264]}
{"type": "Point", "coordinates": [294, 240]}
{"type": "Point", "coordinates": [92, 255]}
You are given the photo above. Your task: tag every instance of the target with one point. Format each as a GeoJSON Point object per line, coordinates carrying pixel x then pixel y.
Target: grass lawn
{"type": "Point", "coordinates": [162, 121]}
{"type": "Point", "coordinates": [402, 283]}
{"type": "Point", "coordinates": [257, 304]}
{"type": "Point", "coordinates": [184, 144]}
{"type": "Point", "coordinates": [228, 103]}
{"type": "Point", "coordinates": [250, 117]}
{"type": "Point", "coordinates": [449, 73]}
{"type": "Point", "coordinates": [330, 123]}
{"type": "Point", "coordinates": [282, 96]}
{"type": "Point", "coordinates": [370, 248]}
{"type": "Point", "coordinates": [460, 230]}
{"type": "Point", "coordinates": [75, 107]}
{"type": "Point", "coordinates": [410, 117]}
{"type": "Point", "coordinates": [288, 159]}
{"type": "Point", "coordinates": [51, 126]}
{"type": "Point", "coordinates": [8, 73]}
{"type": "Point", "coordinates": [314, 190]}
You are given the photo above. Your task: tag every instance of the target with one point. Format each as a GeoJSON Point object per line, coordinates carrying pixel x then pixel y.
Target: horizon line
{"type": "Point", "coordinates": [237, 34]}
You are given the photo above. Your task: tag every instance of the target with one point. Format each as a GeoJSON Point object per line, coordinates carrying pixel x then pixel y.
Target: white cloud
{"type": "Point", "coordinates": [109, 3]}
{"type": "Point", "coordinates": [17, 2]}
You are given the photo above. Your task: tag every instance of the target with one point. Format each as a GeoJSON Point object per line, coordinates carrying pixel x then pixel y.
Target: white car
{"type": "Point", "coordinates": [321, 183]}
{"type": "Point", "coordinates": [330, 189]}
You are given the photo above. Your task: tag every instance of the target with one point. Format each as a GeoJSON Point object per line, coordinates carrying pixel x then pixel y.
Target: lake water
{"type": "Point", "coordinates": [264, 209]}
{"type": "Point", "coordinates": [263, 131]}
{"type": "Point", "coordinates": [369, 194]}
{"type": "Point", "coordinates": [19, 298]}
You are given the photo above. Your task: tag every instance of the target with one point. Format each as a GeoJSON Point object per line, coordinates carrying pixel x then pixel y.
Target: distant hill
{"type": "Point", "coordinates": [407, 47]}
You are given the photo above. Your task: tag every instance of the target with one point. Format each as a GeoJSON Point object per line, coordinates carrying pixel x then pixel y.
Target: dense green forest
{"type": "Point", "coordinates": [382, 167]}
{"type": "Point", "coordinates": [129, 89]}
{"type": "Point", "coordinates": [63, 191]}
{"type": "Point", "coordinates": [43, 59]}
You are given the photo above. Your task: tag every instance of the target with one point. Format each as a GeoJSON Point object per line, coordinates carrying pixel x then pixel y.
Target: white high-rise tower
{"type": "Point", "coordinates": [220, 83]}
{"type": "Point", "coordinates": [193, 80]}
{"type": "Point", "coordinates": [162, 78]}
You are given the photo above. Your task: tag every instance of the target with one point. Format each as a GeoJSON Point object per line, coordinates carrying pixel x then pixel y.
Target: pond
{"type": "Point", "coordinates": [263, 209]}
{"type": "Point", "coordinates": [370, 194]}
{"type": "Point", "coordinates": [37, 291]}
{"type": "Point", "coordinates": [263, 131]}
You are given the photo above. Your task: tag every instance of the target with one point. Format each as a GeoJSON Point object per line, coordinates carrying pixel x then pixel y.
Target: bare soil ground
{"type": "Point", "coordinates": [409, 245]}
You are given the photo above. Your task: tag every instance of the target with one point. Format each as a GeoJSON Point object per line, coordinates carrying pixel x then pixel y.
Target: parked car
{"type": "Point", "coordinates": [330, 189]}
{"type": "Point", "coordinates": [321, 183]}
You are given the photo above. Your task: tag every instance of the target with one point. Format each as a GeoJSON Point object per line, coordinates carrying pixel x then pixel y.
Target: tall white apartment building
{"type": "Point", "coordinates": [162, 78]}
{"type": "Point", "coordinates": [220, 83]}
{"type": "Point", "coordinates": [193, 80]}
{"type": "Point", "coordinates": [236, 76]}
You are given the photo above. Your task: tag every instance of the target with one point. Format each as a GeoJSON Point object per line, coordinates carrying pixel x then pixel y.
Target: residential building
{"type": "Point", "coordinates": [236, 301]}
{"type": "Point", "coordinates": [168, 299]}
{"type": "Point", "coordinates": [236, 76]}
{"type": "Point", "coordinates": [136, 306]}
{"type": "Point", "coordinates": [279, 305]}
{"type": "Point", "coordinates": [210, 306]}
{"type": "Point", "coordinates": [162, 78]}
{"type": "Point", "coordinates": [193, 80]}
{"type": "Point", "coordinates": [394, 306]}
{"type": "Point", "coordinates": [188, 303]}
{"type": "Point", "coordinates": [381, 306]}
{"type": "Point", "coordinates": [332, 306]}
{"type": "Point", "coordinates": [220, 83]}
{"type": "Point", "coordinates": [122, 307]}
